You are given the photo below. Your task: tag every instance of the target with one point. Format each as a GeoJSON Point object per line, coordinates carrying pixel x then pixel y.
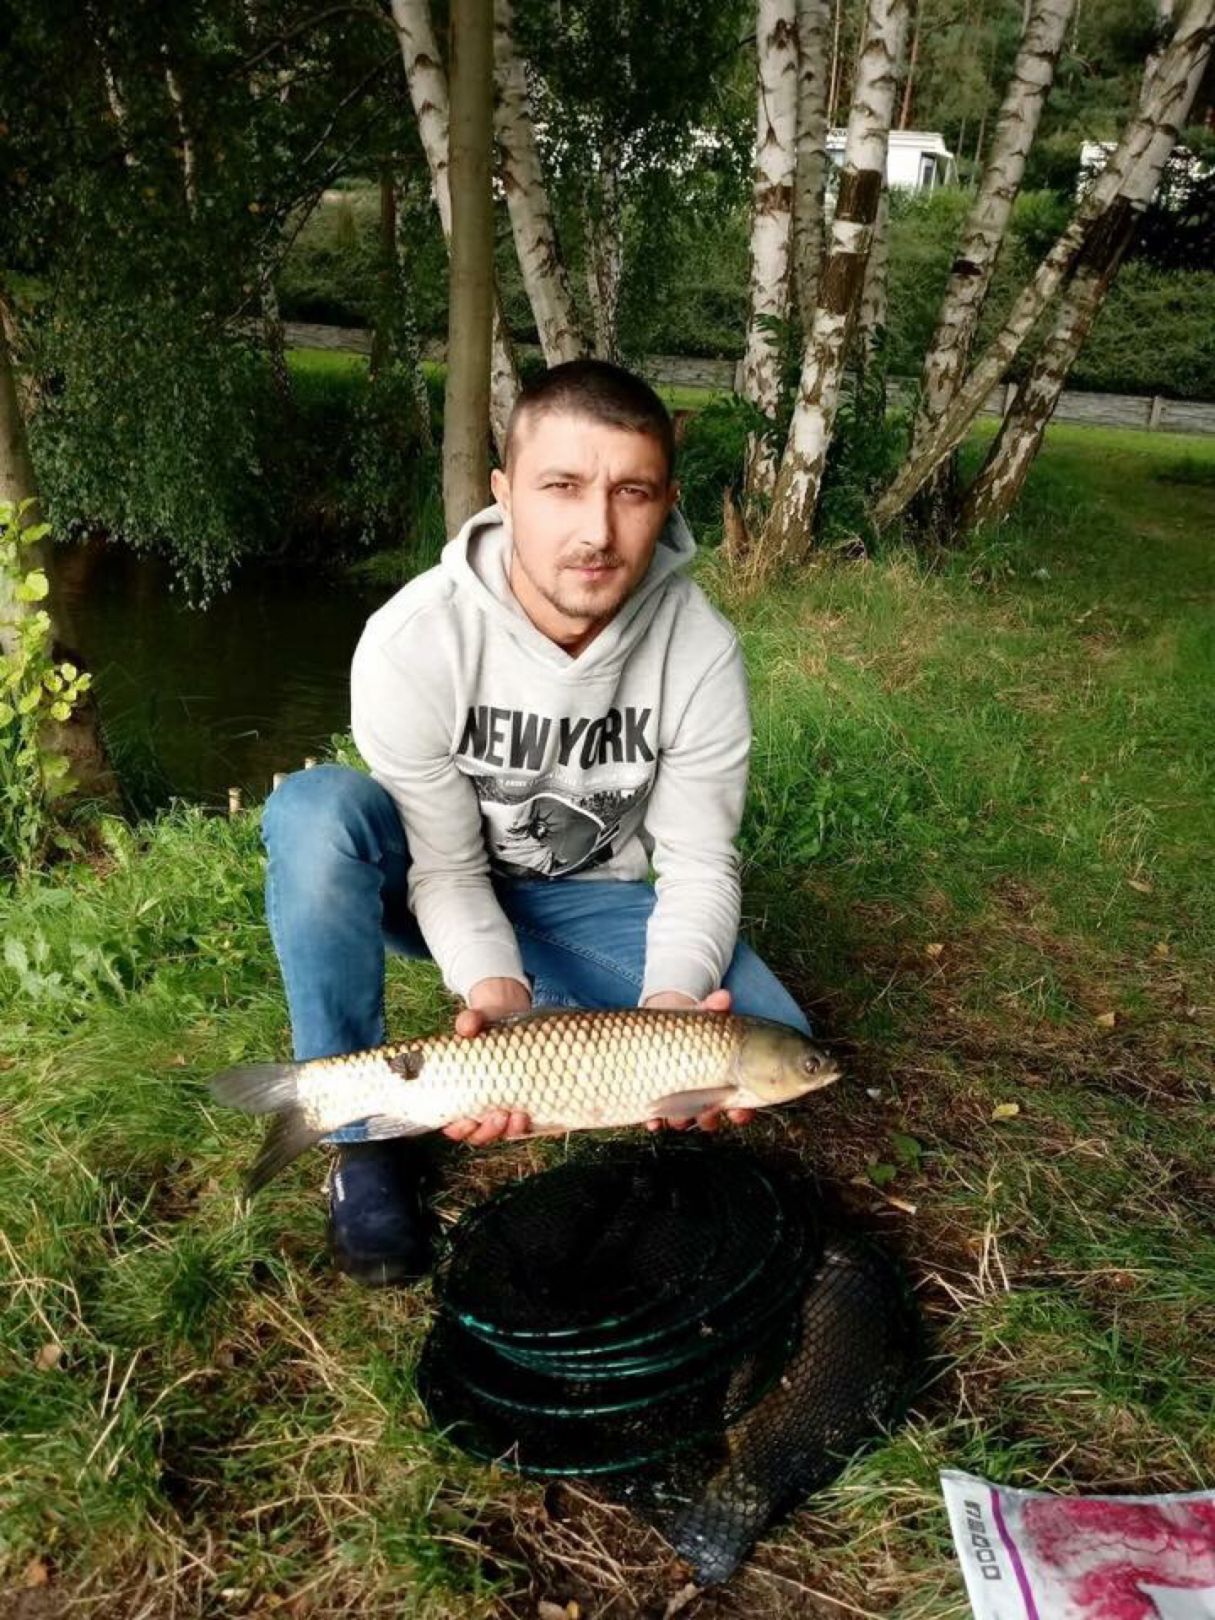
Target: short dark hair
{"type": "Point", "coordinates": [600, 390]}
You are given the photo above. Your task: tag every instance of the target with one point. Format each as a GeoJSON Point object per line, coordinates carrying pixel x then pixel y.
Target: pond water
{"type": "Point", "coordinates": [196, 701]}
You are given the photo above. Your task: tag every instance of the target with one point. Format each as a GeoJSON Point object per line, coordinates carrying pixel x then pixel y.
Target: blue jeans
{"type": "Point", "coordinates": [336, 902]}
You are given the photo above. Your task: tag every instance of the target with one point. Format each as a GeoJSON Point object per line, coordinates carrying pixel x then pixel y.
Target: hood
{"type": "Point", "coordinates": [478, 560]}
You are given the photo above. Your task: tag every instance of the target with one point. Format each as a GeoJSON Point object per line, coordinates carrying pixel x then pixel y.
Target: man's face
{"type": "Point", "coordinates": [587, 503]}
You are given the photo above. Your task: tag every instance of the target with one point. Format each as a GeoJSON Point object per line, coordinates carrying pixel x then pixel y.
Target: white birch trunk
{"type": "Point", "coordinates": [531, 218]}
{"type": "Point", "coordinates": [1001, 478]}
{"type": "Point", "coordinates": [427, 83]}
{"type": "Point", "coordinates": [871, 322]}
{"type": "Point", "coordinates": [983, 233]}
{"type": "Point", "coordinates": [189, 164]}
{"type": "Point", "coordinates": [776, 50]}
{"type": "Point", "coordinates": [1145, 145]}
{"type": "Point", "coordinates": [787, 534]}
{"type": "Point", "coordinates": [810, 175]}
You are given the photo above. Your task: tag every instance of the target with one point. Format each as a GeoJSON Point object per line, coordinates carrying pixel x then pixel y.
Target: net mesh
{"type": "Point", "coordinates": [678, 1321]}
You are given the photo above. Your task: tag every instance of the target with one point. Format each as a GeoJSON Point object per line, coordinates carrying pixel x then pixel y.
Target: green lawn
{"type": "Point", "coordinates": [979, 845]}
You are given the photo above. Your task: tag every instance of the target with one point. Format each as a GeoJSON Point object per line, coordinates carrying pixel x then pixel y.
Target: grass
{"type": "Point", "coordinates": [979, 846]}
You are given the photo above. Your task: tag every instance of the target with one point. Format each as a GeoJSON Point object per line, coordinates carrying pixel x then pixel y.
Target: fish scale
{"type": "Point", "coordinates": [566, 1069]}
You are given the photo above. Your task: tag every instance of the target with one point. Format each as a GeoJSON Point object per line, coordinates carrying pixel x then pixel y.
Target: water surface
{"type": "Point", "coordinates": [196, 701]}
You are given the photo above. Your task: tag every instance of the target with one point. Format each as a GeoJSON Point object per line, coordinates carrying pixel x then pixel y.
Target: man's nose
{"type": "Point", "coordinates": [597, 524]}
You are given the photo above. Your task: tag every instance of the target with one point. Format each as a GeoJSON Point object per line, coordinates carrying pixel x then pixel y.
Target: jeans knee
{"type": "Point", "coordinates": [331, 808]}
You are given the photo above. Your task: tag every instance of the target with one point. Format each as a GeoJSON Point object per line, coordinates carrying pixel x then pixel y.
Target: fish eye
{"type": "Point", "coordinates": [811, 1062]}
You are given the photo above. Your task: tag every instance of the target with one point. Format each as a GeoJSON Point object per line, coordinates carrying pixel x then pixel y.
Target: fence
{"type": "Point", "coordinates": [1151, 412]}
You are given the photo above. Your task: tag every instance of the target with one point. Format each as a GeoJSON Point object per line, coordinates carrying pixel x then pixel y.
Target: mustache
{"type": "Point", "coordinates": [593, 559]}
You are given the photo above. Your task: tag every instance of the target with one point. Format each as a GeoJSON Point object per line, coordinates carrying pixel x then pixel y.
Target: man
{"type": "Point", "coordinates": [551, 706]}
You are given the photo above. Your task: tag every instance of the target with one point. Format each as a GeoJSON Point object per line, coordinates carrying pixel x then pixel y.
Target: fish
{"type": "Point", "coordinates": [567, 1069]}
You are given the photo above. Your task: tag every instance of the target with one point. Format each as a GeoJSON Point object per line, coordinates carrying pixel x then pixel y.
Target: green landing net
{"type": "Point", "coordinates": [676, 1321]}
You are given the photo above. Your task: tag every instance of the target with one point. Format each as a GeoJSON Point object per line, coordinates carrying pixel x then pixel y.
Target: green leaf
{"type": "Point", "coordinates": [29, 701]}
{"type": "Point", "coordinates": [881, 1175]}
{"type": "Point", "coordinates": [7, 713]}
{"type": "Point", "coordinates": [906, 1149]}
{"type": "Point", "coordinates": [31, 536]}
{"type": "Point", "coordinates": [34, 587]}
{"type": "Point", "coordinates": [60, 710]}
{"type": "Point", "coordinates": [16, 955]}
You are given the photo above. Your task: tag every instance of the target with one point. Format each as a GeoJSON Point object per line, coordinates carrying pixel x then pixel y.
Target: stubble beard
{"type": "Point", "coordinates": [581, 603]}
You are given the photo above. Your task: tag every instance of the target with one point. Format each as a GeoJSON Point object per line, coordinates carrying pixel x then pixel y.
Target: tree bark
{"type": "Point", "coordinates": [603, 230]}
{"type": "Point", "coordinates": [1146, 142]}
{"type": "Point", "coordinates": [871, 322]}
{"type": "Point", "coordinates": [810, 175]}
{"type": "Point", "coordinates": [531, 217]}
{"type": "Point", "coordinates": [776, 52]}
{"type": "Point", "coordinates": [983, 233]}
{"type": "Point", "coordinates": [833, 92]}
{"type": "Point", "coordinates": [189, 163]}
{"type": "Point", "coordinates": [913, 57]}
{"type": "Point", "coordinates": [787, 534]}
{"type": "Point", "coordinates": [471, 303]}
{"type": "Point", "coordinates": [1000, 480]}
{"type": "Point", "coordinates": [428, 91]}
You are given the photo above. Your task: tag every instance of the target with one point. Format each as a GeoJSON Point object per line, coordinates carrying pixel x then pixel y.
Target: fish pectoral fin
{"type": "Point", "coordinates": [380, 1127]}
{"type": "Point", "coordinates": [289, 1135]}
{"type": "Point", "coordinates": [687, 1104]}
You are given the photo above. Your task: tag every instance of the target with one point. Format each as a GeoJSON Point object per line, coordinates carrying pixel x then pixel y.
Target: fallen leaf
{"type": "Point", "coordinates": [550, 1611]}
{"type": "Point", "coordinates": [49, 1356]}
{"type": "Point", "coordinates": [1006, 1110]}
{"type": "Point", "coordinates": [1160, 949]}
{"type": "Point", "coordinates": [178, 1060]}
{"type": "Point", "coordinates": [934, 950]}
{"type": "Point", "coordinates": [36, 1573]}
{"type": "Point", "coordinates": [1107, 1020]}
{"type": "Point", "coordinates": [1139, 886]}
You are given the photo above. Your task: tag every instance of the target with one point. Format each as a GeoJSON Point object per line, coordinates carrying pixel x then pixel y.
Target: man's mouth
{"type": "Point", "coordinates": [592, 570]}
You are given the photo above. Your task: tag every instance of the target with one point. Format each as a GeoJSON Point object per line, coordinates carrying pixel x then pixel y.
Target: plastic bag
{"type": "Point", "coordinates": [1030, 1555]}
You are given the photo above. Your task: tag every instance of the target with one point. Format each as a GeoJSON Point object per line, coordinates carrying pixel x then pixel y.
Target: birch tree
{"type": "Point", "coordinates": [471, 302]}
{"type": "Point", "coordinates": [983, 233]}
{"type": "Point", "coordinates": [810, 174]}
{"type": "Point", "coordinates": [1146, 142]}
{"type": "Point", "coordinates": [427, 83]}
{"type": "Point", "coordinates": [531, 217]}
{"type": "Point", "coordinates": [871, 321]}
{"type": "Point", "coordinates": [1000, 480]}
{"type": "Point", "coordinates": [787, 534]}
{"type": "Point", "coordinates": [776, 52]}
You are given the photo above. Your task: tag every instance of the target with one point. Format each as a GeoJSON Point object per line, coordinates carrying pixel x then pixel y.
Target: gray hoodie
{"type": "Point", "coordinates": [507, 756]}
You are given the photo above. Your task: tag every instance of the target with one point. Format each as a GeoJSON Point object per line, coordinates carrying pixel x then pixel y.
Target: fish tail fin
{"type": "Point", "coordinates": [288, 1135]}
{"type": "Point", "coordinates": [257, 1088]}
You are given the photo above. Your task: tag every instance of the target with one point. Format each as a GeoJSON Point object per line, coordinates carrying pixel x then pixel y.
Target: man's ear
{"type": "Point", "coordinates": [499, 484]}
{"type": "Point", "coordinates": [673, 494]}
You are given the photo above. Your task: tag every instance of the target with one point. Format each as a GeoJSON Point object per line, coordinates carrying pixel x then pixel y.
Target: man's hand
{"type": "Point", "coordinates": [715, 1001]}
{"type": "Point", "coordinates": [489, 999]}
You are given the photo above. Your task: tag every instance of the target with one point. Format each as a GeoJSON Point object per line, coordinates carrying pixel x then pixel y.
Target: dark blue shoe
{"type": "Point", "coordinates": [379, 1223]}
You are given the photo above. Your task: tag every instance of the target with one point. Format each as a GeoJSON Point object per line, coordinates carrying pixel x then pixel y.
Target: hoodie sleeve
{"type": "Point", "coordinates": [693, 816]}
{"type": "Point", "coordinates": [403, 733]}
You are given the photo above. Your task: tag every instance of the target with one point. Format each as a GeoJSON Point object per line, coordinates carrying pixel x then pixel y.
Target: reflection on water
{"type": "Point", "coordinates": [194, 702]}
